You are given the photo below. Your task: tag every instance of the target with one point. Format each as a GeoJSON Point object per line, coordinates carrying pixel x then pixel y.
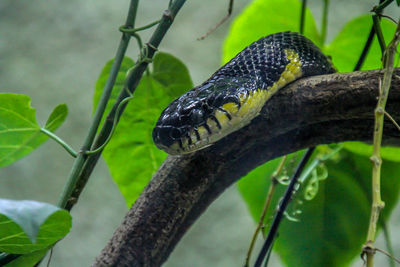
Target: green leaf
{"type": "Point", "coordinates": [254, 186]}
{"type": "Point", "coordinates": [27, 226]}
{"type": "Point", "coordinates": [28, 260]}
{"type": "Point", "coordinates": [327, 231]}
{"type": "Point", "coordinates": [131, 155]}
{"type": "Point", "coordinates": [165, 70]}
{"type": "Point", "coordinates": [57, 117]}
{"type": "Point", "coordinates": [346, 48]}
{"type": "Point", "coordinates": [19, 132]}
{"type": "Point", "coordinates": [387, 153]}
{"type": "Point", "coordinates": [263, 17]}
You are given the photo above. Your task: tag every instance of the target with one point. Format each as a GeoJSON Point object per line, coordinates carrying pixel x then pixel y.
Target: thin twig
{"type": "Point", "coordinates": [388, 17]}
{"type": "Point", "coordinates": [324, 21]}
{"type": "Point", "coordinates": [131, 83]}
{"type": "Point", "coordinates": [56, 138]}
{"type": "Point", "coordinates": [230, 8]}
{"type": "Point", "coordinates": [80, 160]}
{"type": "Point", "coordinates": [387, 254]}
{"type": "Point", "coordinates": [382, 5]}
{"type": "Point", "coordinates": [377, 203]}
{"type": "Point", "coordinates": [115, 121]}
{"type": "Point", "coordinates": [124, 29]}
{"type": "Point", "coordinates": [388, 242]}
{"type": "Point", "coordinates": [365, 50]}
{"type": "Point", "coordinates": [50, 256]}
{"type": "Point", "coordinates": [282, 207]}
{"type": "Point", "coordinates": [392, 120]}
{"type": "Point", "coordinates": [271, 191]}
{"type": "Point", "coordinates": [379, 34]}
{"type": "Point", "coordinates": [367, 45]}
{"type": "Point", "coordinates": [302, 15]}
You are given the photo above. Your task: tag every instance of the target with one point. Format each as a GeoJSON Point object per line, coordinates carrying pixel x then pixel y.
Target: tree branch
{"type": "Point", "coordinates": [316, 110]}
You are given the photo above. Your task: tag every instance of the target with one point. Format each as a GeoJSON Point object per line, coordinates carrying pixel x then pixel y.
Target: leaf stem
{"type": "Point", "coordinates": [392, 120]}
{"type": "Point", "coordinates": [131, 83]}
{"type": "Point", "coordinates": [388, 242]}
{"type": "Point", "coordinates": [367, 45]}
{"type": "Point", "coordinates": [379, 34]}
{"type": "Point", "coordinates": [377, 203]}
{"type": "Point", "coordinates": [324, 21]}
{"type": "Point", "coordinates": [115, 121]}
{"type": "Point", "coordinates": [81, 158]}
{"type": "Point", "coordinates": [381, 6]}
{"type": "Point", "coordinates": [318, 160]}
{"type": "Point", "coordinates": [56, 138]}
{"type": "Point", "coordinates": [364, 53]}
{"type": "Point", "coordinates": [138, 29]}
{"type": "Point", "coordinates": [282, 207]}
{"type": "Point", "coordinates": [302, 16]}
{"type": "Point", "coordinates": [270, 193]}
{"type": "Point", "coordinates": [230, 8]}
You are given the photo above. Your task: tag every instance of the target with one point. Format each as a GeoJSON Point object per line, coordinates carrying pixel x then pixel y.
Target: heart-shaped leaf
{"type": "Point", "coordinates": [28, 260]}
{"type": "Point", "coordinates": [326, 230]}
{"type": "Point", "coordinates": [131, 155]}
{"type": "Point", "coordinates": [19, 132]}
{"type": "Point", "coordinates": [346, 48]}
{"type": "Point", "coordinates": [264, 17]}
{"type": "Point", "coordinates": [327, 233]}
{"type": "Point", "coordinates": [27, 226]}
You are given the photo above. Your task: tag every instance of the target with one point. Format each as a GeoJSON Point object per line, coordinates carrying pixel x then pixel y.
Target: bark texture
{"type": "Point", "coordinates": [317, 110]}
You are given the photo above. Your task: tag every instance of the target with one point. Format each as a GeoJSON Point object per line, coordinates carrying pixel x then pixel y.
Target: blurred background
{"type": "Point", "coordinates": [53, 51]}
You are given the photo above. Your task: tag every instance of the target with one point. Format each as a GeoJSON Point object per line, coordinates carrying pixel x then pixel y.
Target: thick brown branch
{"type": "Point", "coordinates": [317, 110]}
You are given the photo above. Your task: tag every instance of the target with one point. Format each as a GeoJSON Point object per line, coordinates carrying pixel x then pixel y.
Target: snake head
{"type": "Point", "coordinates": [178, 129]}
{"type": "Point", "coordinates": [200, 117]}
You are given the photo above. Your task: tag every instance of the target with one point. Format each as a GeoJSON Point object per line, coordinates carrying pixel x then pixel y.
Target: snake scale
{"type": "Point", "coordinates": [236, 93]}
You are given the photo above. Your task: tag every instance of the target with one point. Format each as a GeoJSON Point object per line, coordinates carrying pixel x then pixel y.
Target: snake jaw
{"type": "Point", "coordinates": [194, 126]}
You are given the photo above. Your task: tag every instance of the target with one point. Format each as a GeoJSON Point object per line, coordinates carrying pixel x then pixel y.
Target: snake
{"type": "Point", "coordinates": [235, 94]}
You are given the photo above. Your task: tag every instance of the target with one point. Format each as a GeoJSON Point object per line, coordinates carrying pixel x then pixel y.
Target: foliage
{"type": "Point", "coordinates": [131, 155]}
{"type": "Point", "coordinates": [29, 259]}
{"type": "Point", "coordinates": [27, 226]}
{"type": "Point", "coordinates": [346, 48]}
{"type": "Point", "coordinates": [326, 232]}
{"type": "Point", "coordinates": [30, 227]}
{"type": "Point", "coordinates": [321, 227]}
{"type": "Point", "coordinates": [245, 29]}
{"type": "Point", "coordinates": [19, 132]}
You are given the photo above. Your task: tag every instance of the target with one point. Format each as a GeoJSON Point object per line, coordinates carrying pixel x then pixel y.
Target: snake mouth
{"type": "Point", "coordinates": [177, 135]}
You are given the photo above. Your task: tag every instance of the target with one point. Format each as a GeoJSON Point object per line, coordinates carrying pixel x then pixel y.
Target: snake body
{"type": "Point", "coordinates": [236, 93]}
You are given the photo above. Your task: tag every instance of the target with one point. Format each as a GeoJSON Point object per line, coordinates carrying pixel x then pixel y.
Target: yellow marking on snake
{"type": "Point", "coordinates": [202, 131]}
{"type": "Point", "coordinates": [251, 105]}
{"type": "Point", "coordinates": [230, 107]}
{"type": "Point", "coordinates": [221, 117]}
{"type": "Point", "coordinates": [292, 71]}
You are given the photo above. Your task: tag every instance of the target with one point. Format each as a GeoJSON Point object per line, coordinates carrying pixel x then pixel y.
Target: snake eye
{"type": "Point", "coordinates": [185, 112]}
{"type": "Point", "coordinates": [175, 133]}
{"type": "Point", "coordinates": [197, 116]}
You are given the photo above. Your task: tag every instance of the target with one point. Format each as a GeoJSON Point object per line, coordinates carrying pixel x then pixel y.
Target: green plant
{"type": "Point", "coordinates": [129, 151]}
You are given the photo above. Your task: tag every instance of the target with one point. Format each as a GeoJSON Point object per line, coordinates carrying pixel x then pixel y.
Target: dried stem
{"type": "Point", "coordinates": [230, 8]}
{"type": "Point", "coordinates": [377, 203]}
{"type": "Point", "coordinates": [270, 193]}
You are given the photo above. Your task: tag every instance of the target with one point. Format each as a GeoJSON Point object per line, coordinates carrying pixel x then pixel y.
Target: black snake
{"type": "Point", "coordinates": [235, 93]}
